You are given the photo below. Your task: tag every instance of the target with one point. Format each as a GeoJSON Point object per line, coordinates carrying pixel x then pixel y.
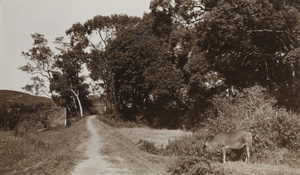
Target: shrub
{"type": "Point", "coordinates": [250, 109]}
{"type": "Point", "coordinates": [253, 110]}
{"type": "Point", "coordinates": [117, 122]}
{"type": "Point", "coordinates": [148, 146]}
{"type": "Point", "coordinates": [287, 125]}
{"type": "Point", "coordinates": [192, 165]}
{"type": "Point", "coordinates": [14, 115]}
{"type": "Point", "coordinates": [31, 121]}
{"type": "Point", "coordinates": [191, 157]}
{"type": "Point", "coordinates": [276, 132]}
{"type": "Point", "coordinates": [186, 146]}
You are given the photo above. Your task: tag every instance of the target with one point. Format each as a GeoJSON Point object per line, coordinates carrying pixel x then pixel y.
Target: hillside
{"type": "Point", "coordinates": [8, 96]}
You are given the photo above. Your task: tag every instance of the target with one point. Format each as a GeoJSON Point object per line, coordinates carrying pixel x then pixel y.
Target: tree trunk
{"type": "Point", "coordinates": [111, 100]}
{"type": "Point", "coordinates": [78, 101]}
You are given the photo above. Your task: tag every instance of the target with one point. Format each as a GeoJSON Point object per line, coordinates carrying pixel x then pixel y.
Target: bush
{"type": "Point", "coordinates": [14, 115]}
{"type": "Point", "coordinates": [276, 132]}
{"type": "Point", "coordinates": [117, 122]}
{"type": "Point", "coordinates": [192, 165]}
{"type": "Point", "coordinates": [186, 146]}
{"type": "Point", "coordinates": [191, 157]}
{"type": "Point", "coordinates": [287, 125]}
{"type": "Point", "coordinates": [254, 110]}
{"type": "Point", "coordinates": [249, 110]}
{"type": "Point", "coordinates": [148, 146]}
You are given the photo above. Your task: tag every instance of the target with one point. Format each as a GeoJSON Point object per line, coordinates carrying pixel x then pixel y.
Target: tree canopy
{"type": "Point", "coordinates": [166, 66]}
{"type": "Point", "coordinates": [57, 73]}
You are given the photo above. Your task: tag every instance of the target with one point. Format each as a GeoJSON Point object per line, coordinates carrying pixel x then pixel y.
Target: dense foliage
{"type": "Point", "coordinates": [166, 67]}
{"type": "Point", "coordinates": [13, 114]}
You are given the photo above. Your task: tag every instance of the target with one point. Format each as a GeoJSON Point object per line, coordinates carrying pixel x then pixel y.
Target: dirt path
{"type": "Point", "coordinates": [95, 162]}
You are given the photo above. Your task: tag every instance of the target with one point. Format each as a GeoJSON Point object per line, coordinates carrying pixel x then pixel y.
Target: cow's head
{"type": "Point", "coordinates": [207, 147]}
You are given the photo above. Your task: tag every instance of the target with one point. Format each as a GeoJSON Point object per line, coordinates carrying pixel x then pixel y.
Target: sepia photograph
{"type": "Point", "coordinates": [149, 87]}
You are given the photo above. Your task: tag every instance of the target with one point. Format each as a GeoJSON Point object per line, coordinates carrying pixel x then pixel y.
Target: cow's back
{"type": "Point", "coordinates": [232, 139]}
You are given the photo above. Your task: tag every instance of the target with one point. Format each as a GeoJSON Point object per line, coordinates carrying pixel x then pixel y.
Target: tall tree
{"type": "Point", "coordinates": [68, 85]}
{"type": "Point", "coordinates": [57, 74]}
{"type": "Point", "coordinates": [148, 77]}
{"type": "Point", "coordinates": [40, 65]}
{"type": "Point", "coordinates": [130, 54]}
{"type": "Point", "coordinates": [94, 35]}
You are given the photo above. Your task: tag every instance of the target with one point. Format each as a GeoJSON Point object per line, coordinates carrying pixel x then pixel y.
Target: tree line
{"type": "Point", "coordinates": [165, 67]}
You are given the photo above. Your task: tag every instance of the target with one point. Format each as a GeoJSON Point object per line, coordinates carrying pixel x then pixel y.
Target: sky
{"type": "Point", "coordinates": [21, 18]}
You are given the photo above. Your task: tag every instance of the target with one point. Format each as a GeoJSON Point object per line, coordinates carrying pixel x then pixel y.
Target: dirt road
{"type": "Point", "coordinates": [95, 162]}
{"type": "Point", "coordinates": [109, 152]}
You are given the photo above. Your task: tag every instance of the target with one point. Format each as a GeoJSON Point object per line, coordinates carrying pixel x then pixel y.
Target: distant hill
{"type": "Point", "coordinates": [8, 96]}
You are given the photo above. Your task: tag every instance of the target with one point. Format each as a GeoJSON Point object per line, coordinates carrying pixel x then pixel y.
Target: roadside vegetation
{"type": "Point", "coordinates": [12, 115]}
{"type": "Point", "coordinates": [275, 136]}
{"type": "Point", "coordinates": [50, 152]}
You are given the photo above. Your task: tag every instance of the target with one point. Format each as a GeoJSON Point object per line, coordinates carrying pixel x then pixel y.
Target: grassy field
{"type": "Point", "coordinates": [160, 137]}
{"type": "Point", "coordinates": [123, 153]}
{"type": "Point", "coordinates": [51, 152]}
{"type": "Point", "coordinates": [8, 96]}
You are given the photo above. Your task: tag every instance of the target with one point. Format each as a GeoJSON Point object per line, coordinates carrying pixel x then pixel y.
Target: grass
{"type": "Point", "coordinates": [50, 152]}
{"type": "Point", "coordinates": [117, 123]}
{"type": "Point", "coordinates": [123, 152]}
{"type": "Point", "coordinates": [240, 168]}
{"type": "Point", "coordinates": [21, 97]}
{"type": "Point", "coordinates": [160, 137]}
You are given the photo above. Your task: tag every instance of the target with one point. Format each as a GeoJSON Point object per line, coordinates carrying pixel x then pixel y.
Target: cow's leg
{"type": "Point", "coordinates": [224, 154]}
{"type": "Point", "coordinates": [248, 154]}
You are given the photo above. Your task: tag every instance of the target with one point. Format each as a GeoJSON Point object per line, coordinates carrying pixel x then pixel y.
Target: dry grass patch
{"type": "Point", "coordinates": [160, 137]}
{"type": "Point", "coordinates": [50, 152]}
{"type": "Point", "coordinates": [241, 168]}
{"type": "Point", "coordinates": [123, 153]}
